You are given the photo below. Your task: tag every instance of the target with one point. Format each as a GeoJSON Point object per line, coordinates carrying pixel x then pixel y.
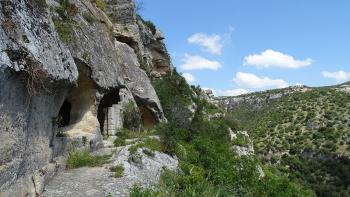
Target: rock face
{"type": "Point", "coordinates": [142, 36]}
{"type": "Point", "coordinates": [60, 73]}
{"type": "Point", "coordinates": [258, 98]}
{"type": "Point", "coordinates": [244, 148]}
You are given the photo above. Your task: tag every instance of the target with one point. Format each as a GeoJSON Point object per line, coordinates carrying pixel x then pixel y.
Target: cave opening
{"type": "Point", "coordinates": [147, 117]}
{"type": "Point", "coordinates": [109, 99]}
{"type": "Point", "coordinates": [64, 114]}
{"type": "Point", "coordinates": [77, 115]}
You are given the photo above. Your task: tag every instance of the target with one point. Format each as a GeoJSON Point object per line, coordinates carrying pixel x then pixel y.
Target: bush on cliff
{"type": "Point", "coordinates": [208, 165]}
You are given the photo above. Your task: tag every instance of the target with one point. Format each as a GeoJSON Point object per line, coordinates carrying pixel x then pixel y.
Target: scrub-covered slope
{"type": "Point", "coordinates": [305, 134]}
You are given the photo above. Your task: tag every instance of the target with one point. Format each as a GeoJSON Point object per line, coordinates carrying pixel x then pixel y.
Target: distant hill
{"type": "Point", "coordinates": [303, 131]}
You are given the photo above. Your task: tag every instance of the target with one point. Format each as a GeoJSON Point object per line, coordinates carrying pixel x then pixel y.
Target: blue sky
{"type": "Point", "coordinates": [234, 46]}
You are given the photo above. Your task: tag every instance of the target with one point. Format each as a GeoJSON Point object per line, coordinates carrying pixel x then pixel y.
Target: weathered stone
{"type": "Point", "coordinates": [76, 75]}
{"type": "Point", "coordinates": [138, 82]}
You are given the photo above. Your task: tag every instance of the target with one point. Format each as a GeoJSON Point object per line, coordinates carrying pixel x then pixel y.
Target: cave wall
{"type": "Point", "coordinates": [32, 52]}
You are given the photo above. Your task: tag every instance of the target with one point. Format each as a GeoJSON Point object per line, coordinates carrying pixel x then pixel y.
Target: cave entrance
{"type": "Point", "coordinates": [76, 116]}
{"type": "Point", "coordinates": [147, 117]}
{"type": "Point", "coordinates": [105, 111]}
{"type": "Point", "coordinates": [64, 114]}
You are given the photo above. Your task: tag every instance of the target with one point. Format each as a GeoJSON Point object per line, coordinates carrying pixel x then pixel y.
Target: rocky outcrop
{"type": "Point", "coordinates": [142, 36]}
{"type": "Point", "coordinates": [344, 88]}
{"type": "Point", "coordinates": [243, 147]}
{"type": "Point", "coordinates": [61, 68]}
{"type": "Point", "coordinates": [258, 98]}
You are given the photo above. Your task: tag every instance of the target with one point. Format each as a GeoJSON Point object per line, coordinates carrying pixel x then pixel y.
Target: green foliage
{"type": "Point", "coordinates": [241, 140]}
{"type": "Point", "coordinates": [208, 166]}
{"type": "Point", "coordinates": [175, 96]}
{"type": "Point", "coordinates": [152, 144]}
{"type": "Point", "coordinates": [129, 134]}
{"type": "Point", "coordinates": [303, 124]}
{"type": "Point", "coordinates": [118, 171]}
{"type": "Point", "coordinates": [332, 169]}
{"type": "Point", "coordinates": [65, 24]}
{"type": "Point", "coordinates": [151, 26]}
{"type": "Point", "coordinates": [64, 30]}
{"type": "Point", "coordinates": [119, 142]}
{"type": "Point", "coordinates": [100, 4]}
{"type": "Point", "coordinates": [81, 158]}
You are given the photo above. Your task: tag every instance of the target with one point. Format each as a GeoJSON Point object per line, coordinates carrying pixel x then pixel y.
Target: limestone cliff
{"type": "Point", "coordinates": [70, 67]}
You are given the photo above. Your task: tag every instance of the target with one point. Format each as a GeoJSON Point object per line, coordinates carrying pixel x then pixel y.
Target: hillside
{"type": "Point", "coordinates": [304, 133]}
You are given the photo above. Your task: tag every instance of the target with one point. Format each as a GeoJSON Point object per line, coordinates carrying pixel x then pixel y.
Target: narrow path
{"type": "Point", "coordinates": [88, 182]}
{"type": "Point", "coordinates": [99, 182]}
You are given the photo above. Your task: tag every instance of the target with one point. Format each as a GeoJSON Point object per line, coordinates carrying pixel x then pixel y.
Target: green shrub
{"type": "Point", "coordinates": [118, 171]}
{"type": "Point", "coordinates": [129, 134]}
{"type": "Point", "coordinates": [175, 96]}
{"type": "Point", "coordinates": [64, 30]}
{"type": "Point", "coordinates": [152, 144]}
{"type": "Point", "coordinates": [64, 24]}
{"type": "Point", "coordinates": [81, 158]}
{"type": "Point", "coordinates": [100, 4]}
{"type": "Point", "coordinates": [151, 26]}
{"type": "Point", "coordinates": [241, 140]}
{"type": "Point", "coordinates": [119, 142]}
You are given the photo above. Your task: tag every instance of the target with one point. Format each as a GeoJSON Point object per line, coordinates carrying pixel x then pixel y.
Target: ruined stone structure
{"type": "Point", "coordinates": [60, 90]}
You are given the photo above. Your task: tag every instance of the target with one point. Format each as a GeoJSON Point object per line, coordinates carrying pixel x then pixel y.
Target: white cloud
{"type": "Point", "coordinates": [194, 62]}
{"type": "Point", "coordinates": [270, 58]}
{"type": "Point", "coordinates": [211, 43]}
{"type": "Point", "coordinates": [189, 77]}
{"type": "Point", "coordinates": [249, 80]}
{"type": "Point", "coordinates": [234, 92]}
{"type": "Point", "coordinates": [339, 76]}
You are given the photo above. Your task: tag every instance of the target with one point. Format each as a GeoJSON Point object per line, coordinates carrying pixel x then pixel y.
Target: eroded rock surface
{"type": "Point", "coordinates": [39, 72]}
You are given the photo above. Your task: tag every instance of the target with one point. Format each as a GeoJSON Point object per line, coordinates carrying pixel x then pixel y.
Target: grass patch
{"type": "Point", "coordinates": [241, 140]}
{"type": "Point", "coordinates": [118, 171]}
{"type": "Point", "coordinates": [128, 134]}
{"type": "Point", "coordinates": [81, 158]}
{"type": "Point", "coordinates": [152, 144]}
{"type": "Point", "coordinates": [64, 24]}
{"type": "Point", "coordinates": [64, 30]}
{"type": "Point", "coordinates": [119, 142]}
{"type": "Point", "coordinates": [100, 4]}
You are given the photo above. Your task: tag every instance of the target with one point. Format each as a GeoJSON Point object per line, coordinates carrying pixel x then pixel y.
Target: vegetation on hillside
{"type": "Point", "coordinates": [208, 166]}
{"type": "Point", "coordinates": [81, 158]}
{"type": "Point", "coordinates": [306, 135]}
